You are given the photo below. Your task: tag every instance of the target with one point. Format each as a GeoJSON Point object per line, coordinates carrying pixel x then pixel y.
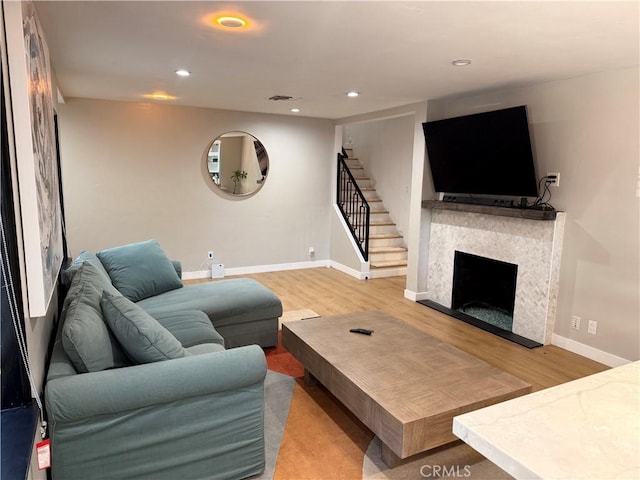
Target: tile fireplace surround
{"type": "Point", "coordinates": [533, 245]}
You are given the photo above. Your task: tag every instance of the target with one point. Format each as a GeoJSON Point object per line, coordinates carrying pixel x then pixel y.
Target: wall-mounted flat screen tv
{"type": "Point", "coordinates": [484, 153]}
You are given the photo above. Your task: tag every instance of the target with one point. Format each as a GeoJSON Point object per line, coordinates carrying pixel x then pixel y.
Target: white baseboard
{"type": "Point", "coordinates": [349, 271]}
{"type": "Point", "coordinates": [415, 296]}
{"type": "Point", "coordinates": [587, 351]}
{"type": "Point", "coordinates": [257, 269]}
{"type": "Point", "coordinates": [279, 267]}
{"type": "Point", "coordinates": [200, 274]}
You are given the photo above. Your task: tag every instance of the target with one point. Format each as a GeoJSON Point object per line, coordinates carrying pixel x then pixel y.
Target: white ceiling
{"type": "Point", "coordinates": [394, 53]}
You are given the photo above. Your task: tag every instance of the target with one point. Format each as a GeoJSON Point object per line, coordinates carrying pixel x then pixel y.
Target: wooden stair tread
{"type": "Point", "coordinates": [387, 249]}
{"type": "Point", "coordinates": [383, 236]}
{"type": "Point", "coordinates": [389, 264]}
{"type": "Point", "coordinates": [380, 224]}
{"type": "Point", "coordinates": [377, 212]}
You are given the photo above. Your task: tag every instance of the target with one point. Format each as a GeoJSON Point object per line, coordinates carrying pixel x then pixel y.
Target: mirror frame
{"type": "Point", "coordinates": [212, 157]}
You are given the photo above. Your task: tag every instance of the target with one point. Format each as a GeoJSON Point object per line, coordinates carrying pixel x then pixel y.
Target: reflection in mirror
{"type": "Point", "coordinates": [237, 163]}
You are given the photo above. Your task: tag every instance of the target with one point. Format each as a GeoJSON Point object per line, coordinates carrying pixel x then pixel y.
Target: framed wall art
{"type": "Point", "coordinates": [32, 112]}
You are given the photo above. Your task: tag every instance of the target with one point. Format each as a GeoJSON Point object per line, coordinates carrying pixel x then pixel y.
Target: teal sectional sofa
{"type": "Point", "coordinates": [142, 384]}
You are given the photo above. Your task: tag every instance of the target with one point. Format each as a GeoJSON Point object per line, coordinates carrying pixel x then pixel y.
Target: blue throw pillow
{"type": "Point", "coordinates": [84, 256]}
{"type": "Point", "coordinates": [140, 335]}
{"type": "Point", "coordinates": [140, 270]}
{"type": "Point", "coordinates": [85, 336]}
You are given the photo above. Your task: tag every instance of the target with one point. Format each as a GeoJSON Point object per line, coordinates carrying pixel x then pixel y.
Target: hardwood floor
{"type": "Point", "coordinates": [330, 292]}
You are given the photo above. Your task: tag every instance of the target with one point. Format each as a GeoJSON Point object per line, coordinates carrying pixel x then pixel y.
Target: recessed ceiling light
{"type": "Point", "coordinates": [231, 22]}
{"type": "Point", "coordinates": [352, 94]}
{"type": "Point", "coordinates": [183, 73]}
{"type": "Point", "coordinates": [159, 96]}
{"type": "Point", "coordinates": [462, 62]}
{"type": "Point", "coordinates": [295, 110]}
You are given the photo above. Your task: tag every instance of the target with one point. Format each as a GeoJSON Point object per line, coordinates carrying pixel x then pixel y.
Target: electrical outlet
{"type": "Point", "coordinates": [553, 182]}
{"type": "Point", "coordinates": [210, 254]}
{"type": "Point", "coordinates": [575, 323]}
{"type": "Point", "coordinates": [593, 327]}
{"type": "Point", "coordinates": [312, 251]}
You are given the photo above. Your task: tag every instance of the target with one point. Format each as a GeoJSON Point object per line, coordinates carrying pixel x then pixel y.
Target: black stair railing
{"type": "Point", "coordinates": [353, 206]}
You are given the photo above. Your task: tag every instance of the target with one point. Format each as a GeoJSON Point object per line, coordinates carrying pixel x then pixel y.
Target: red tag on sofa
{"type": "Point", "coordinates": [43, 450]}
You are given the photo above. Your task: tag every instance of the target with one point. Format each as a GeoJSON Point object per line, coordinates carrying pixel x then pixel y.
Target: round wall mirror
{"type": "Point", "coordinates": [237, 163]}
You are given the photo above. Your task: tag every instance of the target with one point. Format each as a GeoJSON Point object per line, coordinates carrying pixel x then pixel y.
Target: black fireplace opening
{"type": "Point", "coordinates": [484, 288]}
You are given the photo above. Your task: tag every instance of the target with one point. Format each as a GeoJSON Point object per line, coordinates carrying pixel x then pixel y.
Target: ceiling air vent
{"type": "Point", "coordinates": [280, 98]}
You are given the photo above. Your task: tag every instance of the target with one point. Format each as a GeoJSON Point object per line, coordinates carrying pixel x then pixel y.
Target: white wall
{"type": "Point", "coordinates": [587, 129]}
{"type": "Point", "coordinates": [405, 141]}
{"type": "Point", "coordinates": [385, 148]}
{"type": "Point", "coordinates": [134, 171]}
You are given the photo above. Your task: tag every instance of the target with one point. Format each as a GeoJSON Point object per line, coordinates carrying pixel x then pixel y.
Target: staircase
{"type": "Point", "coordinates": [387, 253]}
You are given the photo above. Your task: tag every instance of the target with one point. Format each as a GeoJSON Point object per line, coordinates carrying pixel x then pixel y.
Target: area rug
{"type": "Point", "coordinates": [457, 460]}
{"type": "Point", "coordinates": [278, 388]}
{"type": "Point", "coordinates": [278, 391]}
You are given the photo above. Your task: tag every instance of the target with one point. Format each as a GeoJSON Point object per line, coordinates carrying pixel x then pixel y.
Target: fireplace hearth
{"type": "Point", "coordinates": [486, 326]}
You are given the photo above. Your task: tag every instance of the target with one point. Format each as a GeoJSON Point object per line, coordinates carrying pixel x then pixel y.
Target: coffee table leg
{"type": "Point", "coordinates": [309, 379]}
{"type": "Point", "coordinates": [389, 458]}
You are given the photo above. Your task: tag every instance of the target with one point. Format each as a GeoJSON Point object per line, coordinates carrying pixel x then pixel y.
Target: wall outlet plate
{"type": "Point", "coordinates": [593, 327]}
{"type": "Point", "coordinates": [575, 322]}
{"type": "Point", "coordinates": [210, 254]}
{"type": "Point", "coordinates": [556, 182]}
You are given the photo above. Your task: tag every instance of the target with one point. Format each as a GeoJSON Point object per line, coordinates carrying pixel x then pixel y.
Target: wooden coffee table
{"type": "Point", "coordinates": [403, 384]}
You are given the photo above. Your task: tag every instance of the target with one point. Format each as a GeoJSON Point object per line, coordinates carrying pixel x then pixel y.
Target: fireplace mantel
{"type": "Point", "coordinates": [528, 213]}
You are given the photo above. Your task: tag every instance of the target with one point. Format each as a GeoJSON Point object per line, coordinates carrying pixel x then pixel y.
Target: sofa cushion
{"type": "Point", "coordinates": [85, 337]}
{"type": "Point", "coordinates": [226, 302]}
{"type": "Point", "coordinates": [203, 348]}
{"type": "Point", "coordinates": [84, 256]}
{"type": "Point", "coordinates": [140, 335]}
{"type": "Point", "coordinates": [140, 270]}
{"type": "Point", "coordinates": [88, 272]}
{"type": "Point", "coordinates": [190, 327]}
{"type": "Point", "coordinates": [87, 269]}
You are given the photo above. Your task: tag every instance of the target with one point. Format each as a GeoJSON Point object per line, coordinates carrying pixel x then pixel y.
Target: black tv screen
{"type": "Point", "coordinates": [484, 153]}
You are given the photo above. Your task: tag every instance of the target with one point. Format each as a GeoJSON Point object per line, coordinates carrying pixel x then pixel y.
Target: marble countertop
{"type": "Point", "coordinates": [585, 429]}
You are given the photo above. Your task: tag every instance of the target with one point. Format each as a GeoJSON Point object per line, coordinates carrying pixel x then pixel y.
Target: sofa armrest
{"type": "Point", "coordinates": [200, 416]}
{"type": "Point", "coordinates": [178, 266]}
{"type": "Point", "coordinates": [82, 396]}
